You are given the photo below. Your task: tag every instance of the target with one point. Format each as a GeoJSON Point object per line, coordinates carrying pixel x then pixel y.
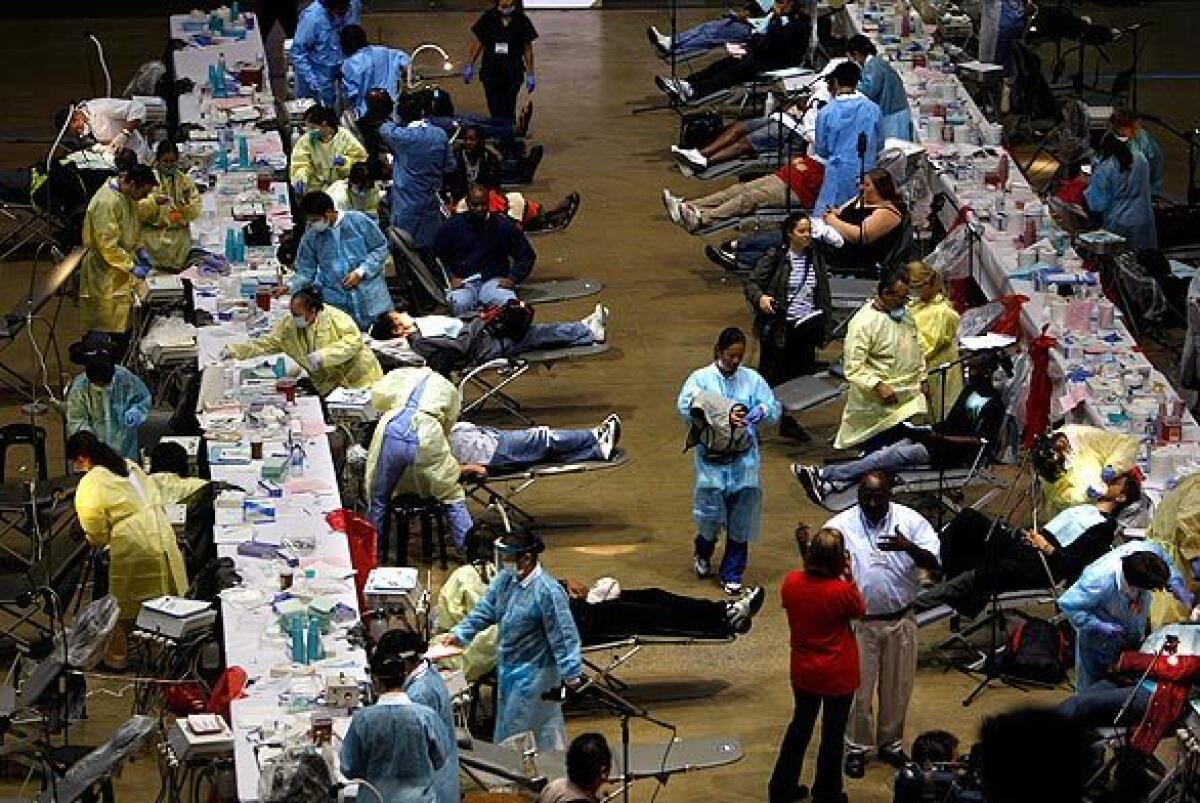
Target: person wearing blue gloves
{"type": "Point", "coordinates": [425, 687]}
{"type": "Point", "coordinates": [539, 644]}
{"type": "Point", "coordinates": [109, 401]}
{"type": "Point", "coordinates": [849, 119]}
{"type": "Point", "coordinates": [727, 494]}
{"type": "Point", "coordinates": [881, 83]}
{"type": "Point", "coordinates": [368, 66]}
{"type": "Point", "coordinates": [396, 745]}
{"type": "Point", "coordinates": [1119, 192]}
{"type": "Point", "coordinates": [421, 155]}
{"type": "Point", "coordinates": [504, 37]}
{"type": "Point", "coordinates": [1109, 605]}
{"type": "Point", "coordinates": [341, 254]}
{"type": "Point", "coordinates": [316, 49]}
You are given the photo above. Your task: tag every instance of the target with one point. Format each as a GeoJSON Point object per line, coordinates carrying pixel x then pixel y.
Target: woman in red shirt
{"type": "Point", "coordinates": [820, 600]}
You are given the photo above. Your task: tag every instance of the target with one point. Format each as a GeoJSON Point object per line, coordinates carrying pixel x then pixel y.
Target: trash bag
{"type": "Point", "coordinates": [363, 542]}
{"type": "Point", "coordinates": [297, 775]}
{"type": "Point", "coordinates": [88, 635]}
{"type": "Point", "coordinates": [952, 257]}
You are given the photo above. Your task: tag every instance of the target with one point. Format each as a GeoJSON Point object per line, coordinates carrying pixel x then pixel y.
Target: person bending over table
{"type": "Point", "coordinates": [341, 255]}
{"type": "Point", "coordinates": [480, 450]}
{"type": "Point", "coordinates": [397, 744]}
{"type": "Point", "coordinates": [114, 123]}
{"type": "Point", "coordinates": [797, 183]}
{"type": "Point", "coordinates": [110, 401]}
{"type": "Point", "coordinates": [783, 43]}
{"type": "Point", "coordinates": [324, 153]}
{"type": "Point", "coordinates": [884, 368]}
{"type": "Point", "coordinates": [409, 452]}
{"type": "Point", "coordinates": [358, 192]}
{"type": "Point", "coordinates": [1118, 192]}
{"type": "Point", "coordinates": [1072, 461]}
{"type": "Point", "coordinates": [848, 120]}
{"type": "Point", "coordinates": [889, 546]}
{"type": "Point", "coordinates": [367, 66]}
{"type": "Point", "coordinates": [977, 416]}
{"type": "Point", "coordinates": [450, 344]}
{"type": "Point", "coordinates": [316, 50]}
{"type": "Point", "coordinates": [120, 510]}
{"type": "Point", "coordinates": [981, 557]}
{"type": "Point", "coordinates": [486, 255]}
{"type": "Point", "coordinates": [324, 341]}
{"type": "Point", "coordinates": [874, 227]}
{"type": "Point", "coordinates": [169, 471]}
{"type": "Point", "coordinates": [1128, 128]}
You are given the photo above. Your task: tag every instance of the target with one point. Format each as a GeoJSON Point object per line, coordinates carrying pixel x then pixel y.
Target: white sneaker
{"type": "Point", "coordinates": [597, 322]}
{"type": "Point", "coordinates": [696, 157]}
{"type": "Point", "coordinates": [703, 567]}
{"type": "Point", "coordinates": [672, 205]}
{"type": "Point", "coordinates": [608, 434]}
{"type": "Point", "coordinates": [664, 41]}
{"type": "Point", "coordinates": [690, 217]}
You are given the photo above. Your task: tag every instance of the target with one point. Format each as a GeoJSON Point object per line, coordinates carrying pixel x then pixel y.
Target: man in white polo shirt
{"type": "Point", "coordinates": [888, 544]}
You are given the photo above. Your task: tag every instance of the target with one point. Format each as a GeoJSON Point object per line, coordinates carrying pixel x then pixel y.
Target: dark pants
{"type": "Point", "coordinates": [723, 74]}
{"type": "Point", "coordinates": [1098, 706]}
{"type": "Point", "coordinates": [286, 12]}
{"type": "Point", "coordinates": [835, 711]}
{"type": "Point", "coordinates": [649, 612]}
{"type": "Point", "coordinates": [794, 353]}
{"type": "Point", "coordinates": [501, 94]}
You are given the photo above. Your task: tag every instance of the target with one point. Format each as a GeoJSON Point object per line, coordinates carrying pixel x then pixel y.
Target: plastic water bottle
{"type": "Point", "coordinates": [243, 152]}
{"type": "Point", "coordinates": [234, 11]}
{"type": "Point", "coordinates": [223, 72]}
{"type": "Point", "coordinates": [239, 244]}
{"type": "Point", "coordinates": [299, 654]}
{"type": "Point", "coordinates": [230, 246]}
{"type": "Point", "coordinates": [314, 641]}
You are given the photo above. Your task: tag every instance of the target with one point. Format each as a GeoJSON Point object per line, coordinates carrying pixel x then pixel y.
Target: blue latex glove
{"type": "Point", "coordinates": [134, 417]}
{"type": "Point", "coordinates": [468, 73]}
{"type": "Point", "coordinates": [1093, 494]}
{"type": "Point", "coordinates": [1109, 630]}
{"type": "Point", "coordinates": [143, 256]}
{"type": "Point", "coordinates": [1108, 474]}
{"type": "Point", "coordinates": [755, 415]}
{"type": "Point", "coordinates": [141, 270]}
{"type": "Point", "coordinates": [339, 161]}
{"type": "Point", "coordinates": [530, 83]}
{"type": "Point", "coordinates": [1179, 590]}
{"type": "Point", "coordinates": [298, 186]}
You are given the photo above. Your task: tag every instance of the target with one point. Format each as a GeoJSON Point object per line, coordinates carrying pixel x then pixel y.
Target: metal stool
{"type": "Point", "coordinates": [428, 512]}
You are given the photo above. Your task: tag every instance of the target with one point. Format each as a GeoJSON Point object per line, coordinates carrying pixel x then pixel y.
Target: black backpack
{"type": "Point", "coordinates": [698, 130]}
{"type": "Point", "coordinates": [1038, 650]}
{"type": "Point", "coordinates": [508, 321]}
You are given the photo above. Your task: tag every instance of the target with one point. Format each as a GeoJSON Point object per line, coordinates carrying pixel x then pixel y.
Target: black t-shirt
{"type": "Point", "coordinates": [503, 45]}
{"type": "Point", "coordinates": [975, 414]}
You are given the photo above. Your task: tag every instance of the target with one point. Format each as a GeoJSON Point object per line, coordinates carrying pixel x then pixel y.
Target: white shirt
{"type": "Point", "coordinates": [529, 578]}
{"type": "Point", "coordinates": [470, 443]}
{"type": "Point", "coordinates": [801, 301]}
{"type": "Point", "coordinates": [889, 581]}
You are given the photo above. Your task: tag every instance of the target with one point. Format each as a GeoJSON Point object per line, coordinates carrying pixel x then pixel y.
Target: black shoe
{"type": "Point", "coordinates": [572, 209]}
{"type": "Point", "coordinates": [855, 765]}
{"type": "Point", "coordinates": [721, 259]}
{"type": "Point", "coordinates": [894, 756]}
{"type": "Point", "coordinates": [790, 795]}
{"type": "Point", "coordinates": [810, 481]}
{"type": "Point", "coordinates": [790, 428]}
{"type": "Point", "coordinates": [531, 163]}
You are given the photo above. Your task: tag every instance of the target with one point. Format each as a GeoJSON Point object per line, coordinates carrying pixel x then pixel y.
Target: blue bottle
{"type": "Point", "coordinates": [299, 655]}
{"type": "Point", "coordinates": [243, 152]}
{"type": "Point", "coordinates": [234, 11]}
{"type": "Point", "coordinates": [221, 160]}
{"type": "Point", "coordinates": [230, 246]}
{"type": "Point", "coordinates": [314, 641]}
{"type": "Point", "coordinates": [239, 243]}
{"type": "Point", "coordinates": [280, 367]}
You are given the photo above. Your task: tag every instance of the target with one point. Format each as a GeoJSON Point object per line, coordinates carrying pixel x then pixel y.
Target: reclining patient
{"type": "Point", "coordinates": [449, 344]}
{"type": "Point", "coordinates": [980, 557]}
{"type": "Point", "coordinates": [797, 182]}
{"type": "Point", "coordinates": [603, 613]}
{"type": "Point", "coordinates": [1073, 459]}
{"type": "Point", "coordinates": [745, 139]}
{"type": "Point", "coordinates": [977, 415]}
{"type": "Point", "coordinates": [480, 450]}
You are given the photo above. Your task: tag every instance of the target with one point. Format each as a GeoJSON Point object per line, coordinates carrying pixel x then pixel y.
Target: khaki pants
{"type": "Point", "coordinates": [887, 655]}
{"type": "Point", "coordinates": [743, 198]}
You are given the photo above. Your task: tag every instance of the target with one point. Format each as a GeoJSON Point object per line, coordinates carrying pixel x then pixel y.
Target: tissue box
{"type": "Point", "coordinates": [274, 469]}
{"type": "Point", "coordinates": [259, 511]}
{"type": "Point", "coordinates": [228, 508]}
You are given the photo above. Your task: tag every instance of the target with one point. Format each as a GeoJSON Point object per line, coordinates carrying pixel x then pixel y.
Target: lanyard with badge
{"type": "Point", "coordinates": [878, 556]}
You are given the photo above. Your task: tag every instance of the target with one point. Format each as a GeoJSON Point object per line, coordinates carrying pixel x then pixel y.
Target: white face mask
{"type": "Point", "coordinates": [510, 565]}
{"type": "Point", "coordinates": [319, 225]}
{"type": "Point", "coordinates": [300, 321]}
{"type": "Point", "coordinates": [896, 314]}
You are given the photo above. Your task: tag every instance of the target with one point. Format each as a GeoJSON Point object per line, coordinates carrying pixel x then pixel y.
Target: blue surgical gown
{"type": "Point", "coordinates": [881, 83]}
{"type": "Point", "coordinates": [326, 257]}
{"type": "Point", "coordinates": [373, 66]}
{"type": "Point", "coordinates": [539, 649]}
{"type": "Point", "coordinates": [747, 387]}
{"type": "Point", "coordinates": [317, 50]}
{"type": "Point", "coordinates": [102, 410]}
{"type": "Point", "coordinates": [394, 746]}
{"type": "Point", "coordinates": [838, 125]}
{"type": "Point", "coordinates": [1101, 595]}
{"type": "Point", "coordinates": [1143, 142]}
{"type": "Point", "coordinates": [426, 687]}
{"type": "Point", "coordinates": [1123, 200]}
{"type": "Point", "coordinates": [421, 156]}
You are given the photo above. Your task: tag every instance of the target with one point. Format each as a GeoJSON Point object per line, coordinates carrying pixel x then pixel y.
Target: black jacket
{"type": "Point", "coordinates": [770, 277]}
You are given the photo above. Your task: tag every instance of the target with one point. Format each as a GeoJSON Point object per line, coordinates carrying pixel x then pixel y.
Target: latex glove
{"type": "Point", "coordinates": [339, 161]}
{"type": "Point", "coordinates": [141, 270]}
{"type": "Point", "coordinates": [143, 256]}
{"type": "Point", "coordinates": [314, 361]}
{"type": "Point", "coordinates": [1109, 630]}
{"type": "Point", "coordinates": [134, 417]}
{"type": "Point", "coordinates": [226, 354]}
{"type": "Point", "coordinates": [1180, 591]}
{"type": "Point", "coordinates": [298, 187]}
{"type": "Point", "coordinates": [468, 73]}
{"type": "Point", "coordinates": [530, 83]}
{"type": "Point", "coordinates": [757, 414]}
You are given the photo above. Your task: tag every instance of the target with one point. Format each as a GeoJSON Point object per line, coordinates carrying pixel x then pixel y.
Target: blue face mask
{"type": "Point", "coordinates": [319, 225]}
{"type": "Point", "coordinates": [896, 314]}
{"type": "Point", "coordinates": [314, 136]}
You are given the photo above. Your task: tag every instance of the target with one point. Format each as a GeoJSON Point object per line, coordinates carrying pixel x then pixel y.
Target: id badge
{"type": "Point", "coordinates": [502, 48]}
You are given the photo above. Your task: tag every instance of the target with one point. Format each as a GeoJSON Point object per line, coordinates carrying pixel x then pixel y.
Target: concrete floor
{"type": "Point", "coordinates": [668, 306]}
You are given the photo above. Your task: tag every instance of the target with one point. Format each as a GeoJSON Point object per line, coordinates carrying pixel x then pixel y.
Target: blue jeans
{"type": "Point", "coordinates": [900, 455]}
{"type": "Point", "coordinates": [707, 35]}
{"type": "Point", "coordinates": [525, 447]}
{"type": "Point", "coordinates": [752, 248]}
{"type": "Point", "coordinates": [476, 294]}
{"type": "Point", "coordinates": [1098, 706]}
{"type": "Point", "coordinates": [764, 135]}
{"type": "Point", "coordinates": [545, 336]}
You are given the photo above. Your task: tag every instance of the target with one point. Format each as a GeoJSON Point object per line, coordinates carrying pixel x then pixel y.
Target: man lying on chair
{"type": "Point", "coordinates": [977, 416]}
{"type": "Point", "coordinates": [981, 557]}
{"type": "Point", "coordinates": [603, 612]}
{"type": "Point", "coordinates": [796, 183]}
{"type": "Point", "coordinates": [480, 450]}
{"type": "Point", "coordinates": [449, 344]}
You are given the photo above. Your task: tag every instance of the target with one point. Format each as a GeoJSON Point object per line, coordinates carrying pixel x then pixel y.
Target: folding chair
{"type": "Point", "coordinates": [500, 488]}
{"type": "Point", "coordinates": [508, 370]}
{"type": "Point", "coordinates": [60, 566]}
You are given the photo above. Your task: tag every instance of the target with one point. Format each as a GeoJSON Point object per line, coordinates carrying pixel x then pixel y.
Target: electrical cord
{"type": "Point", "coordinates": [103, 65]}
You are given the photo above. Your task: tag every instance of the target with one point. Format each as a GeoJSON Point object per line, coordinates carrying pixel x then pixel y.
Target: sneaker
{"type": "Point", "coordinates": [532, 160]}
{"type": "Point", "coordinates": [677, 88]}
{"type": "Point", "coordinates": [809, 478]}
{"type": "Point", "coordinates": [608, 435]}
{"type": "Point", "coordinates": [597, 323]}
{"type": "Point", "coordinates": [756, 595]}
{"type": "Point", "coordinates": [732, 588]}
{"type": "Point", "coordinates": [691, 157]}
{"type": "Point", "coordinates": [663, 39]}
{"type": "Point", "coordinates": [722, 259]}
{"type": "Point", "coordinates": [672, 205]}
{"type": "Point", "coordinates": [690, 217]}
{"type": "Point", "coordinates": [659, 43]}
{"type": "Point", "coordinates": [855, 764]}
{"type": "Point", "coordinates": [702, 566]}
{"type": "Point", "coordinates": [737, 618]}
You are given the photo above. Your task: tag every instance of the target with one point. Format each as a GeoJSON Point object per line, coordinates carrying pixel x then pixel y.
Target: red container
{"type": "Point", "coordinates": [363, 541]}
